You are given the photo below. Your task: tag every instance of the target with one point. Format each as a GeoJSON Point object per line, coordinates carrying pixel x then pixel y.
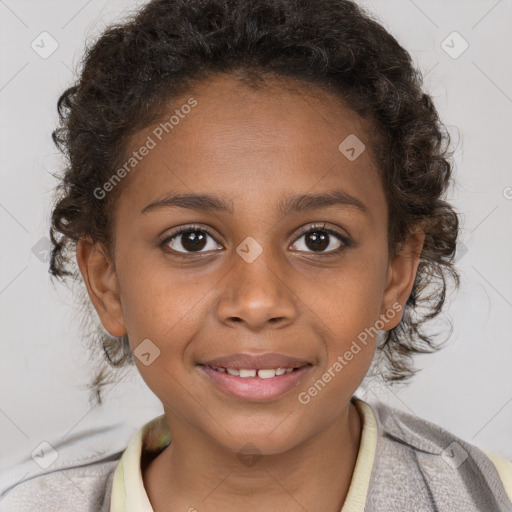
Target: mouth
{"type": "Point", "coordinates": [260, 373]}
{"type": "Point", "coordinates": [256, 378]}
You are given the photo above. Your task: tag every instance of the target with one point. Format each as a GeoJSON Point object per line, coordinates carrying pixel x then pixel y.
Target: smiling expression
{"type": "Point", "coordinates": [281, 263]}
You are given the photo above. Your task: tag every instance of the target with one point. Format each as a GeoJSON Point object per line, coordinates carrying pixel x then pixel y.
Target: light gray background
{"type": "Point", "coordinates": [466, 388]}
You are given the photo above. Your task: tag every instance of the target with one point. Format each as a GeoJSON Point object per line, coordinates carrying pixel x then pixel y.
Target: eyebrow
{"type": "Point", "coordinates": [293, 204]}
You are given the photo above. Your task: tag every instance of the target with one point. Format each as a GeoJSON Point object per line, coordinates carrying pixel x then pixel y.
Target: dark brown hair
{"type": "Point", "coordinates": [166, 47]}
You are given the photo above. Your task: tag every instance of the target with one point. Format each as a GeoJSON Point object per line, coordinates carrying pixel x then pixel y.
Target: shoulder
{"type": "Point", "coordinates": [86, 479]}
{"type": "Point", "coordinates": [419, 464]}
{"type": "Point", "coordinates": [84, 487]}
{"type": "Point", "coordinates": [71, 472]}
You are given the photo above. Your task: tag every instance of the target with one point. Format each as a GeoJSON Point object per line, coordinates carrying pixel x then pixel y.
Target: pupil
{"type": "Point", "coordinates": [193, 241]}
{"type": "Point", "coordinates": [317, 240]}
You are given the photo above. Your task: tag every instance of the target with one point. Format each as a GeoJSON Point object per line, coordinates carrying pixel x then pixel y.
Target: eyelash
{"type": "Point", "coordinates": [303, 231]}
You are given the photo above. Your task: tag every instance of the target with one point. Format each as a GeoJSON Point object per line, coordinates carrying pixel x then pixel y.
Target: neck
{"type": "Point", "coordinates": [193, 473]}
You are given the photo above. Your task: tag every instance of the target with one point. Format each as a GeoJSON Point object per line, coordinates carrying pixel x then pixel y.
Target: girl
{"type": "Point", "coordinates": [255, 196]}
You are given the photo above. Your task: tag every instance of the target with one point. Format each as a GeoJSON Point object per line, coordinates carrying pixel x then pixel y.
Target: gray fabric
{"type": "Point", "coordinates": [81, 489]}
{"type": "Point", "coordinates": [409, 474]}
{"type": "Point", "coordinates": [76, 481]}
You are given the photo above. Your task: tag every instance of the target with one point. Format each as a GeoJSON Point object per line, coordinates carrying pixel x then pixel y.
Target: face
{"type": "Point", "coordinates": [278, 272]}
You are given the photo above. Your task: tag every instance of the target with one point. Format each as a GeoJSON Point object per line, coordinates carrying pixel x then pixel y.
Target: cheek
{"type": "Point", "coordinates": [348, 298]}
{"type": "Point", "coordinates": [347, 308]}
{"type": "Point", "coordinates": [165, 309]}
{"type": "Point", "coordinates": [155, 297]}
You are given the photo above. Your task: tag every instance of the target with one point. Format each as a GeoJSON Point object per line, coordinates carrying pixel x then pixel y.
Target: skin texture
{"type": "Point", "coordinates": [253, 148]}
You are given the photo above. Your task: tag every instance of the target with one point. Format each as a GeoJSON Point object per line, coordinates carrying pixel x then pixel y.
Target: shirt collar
{"type": "Point", "coordinates": [128, 492]}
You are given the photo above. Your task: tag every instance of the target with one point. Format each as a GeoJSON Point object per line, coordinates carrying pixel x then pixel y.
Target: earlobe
{"type": "Point", "coordinates": [402, 271]}
{"type": "Point", "coordinates": [102, 285]}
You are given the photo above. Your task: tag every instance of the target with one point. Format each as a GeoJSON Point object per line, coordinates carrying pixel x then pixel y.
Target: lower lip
{"type": "Point", "coordinates": [254, 389]}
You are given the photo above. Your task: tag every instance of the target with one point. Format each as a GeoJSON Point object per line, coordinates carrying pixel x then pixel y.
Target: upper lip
{"type": "Point", "coordinates": [261, 361]}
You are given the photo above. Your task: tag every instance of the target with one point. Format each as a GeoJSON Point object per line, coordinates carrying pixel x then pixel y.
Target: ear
{"type": "Point", "coordinates": [102, 284]}
{"type": "Point", "coordinates": [402, 270]}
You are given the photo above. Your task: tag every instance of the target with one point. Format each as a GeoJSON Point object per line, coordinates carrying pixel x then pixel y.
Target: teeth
{"type": "Point", "coordinates": [267, 373]}
{"type": "Point", "coordinates": [247, 373]}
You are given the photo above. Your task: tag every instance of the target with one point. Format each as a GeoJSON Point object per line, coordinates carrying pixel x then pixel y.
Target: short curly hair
{"type": "Point", "coordinates": [163, 49]}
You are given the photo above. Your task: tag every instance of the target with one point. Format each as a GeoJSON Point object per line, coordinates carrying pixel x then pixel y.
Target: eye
{"type": "Point", "coordinates": [322, 240]}
{"type": "Point", "coordinates": [195, 239]}
{"type": "Point", "coordinates": [191, 239]}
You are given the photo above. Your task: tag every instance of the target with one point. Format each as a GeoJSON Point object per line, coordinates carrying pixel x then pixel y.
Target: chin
{"type": "Point", "coordinates": [265, 438]}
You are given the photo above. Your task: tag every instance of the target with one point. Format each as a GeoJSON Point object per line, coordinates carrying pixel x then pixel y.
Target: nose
{"type": "Point", "coordinates": [257, 295]}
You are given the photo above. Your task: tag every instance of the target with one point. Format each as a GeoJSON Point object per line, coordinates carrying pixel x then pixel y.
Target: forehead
{"type": "Point", "coordinates": [237, 139]}
{"type": "Point", "coordinates": [277, 114]}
